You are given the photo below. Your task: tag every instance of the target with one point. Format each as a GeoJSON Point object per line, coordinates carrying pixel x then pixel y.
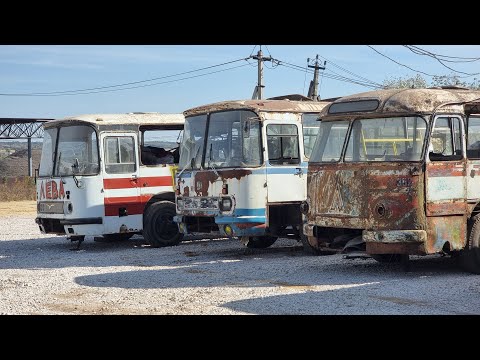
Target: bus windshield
{"type": "Point", "coordinates": [76, 151]}
{"type": "Point", "coordinates": [233, 140]}
{"type": "Point", "coordinates": [383, 139]}
{"type": "Point", "coordinates": [311, 125]}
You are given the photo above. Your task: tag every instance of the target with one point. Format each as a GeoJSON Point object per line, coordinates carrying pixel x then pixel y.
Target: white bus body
{"type": "Point", "coordinates": [110, 175]}
{"type": "Point", "coordinates": [242, 170]}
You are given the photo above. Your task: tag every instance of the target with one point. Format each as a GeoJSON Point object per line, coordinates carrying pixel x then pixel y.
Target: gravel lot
{"type": "Point", "coordinates": [40, 275]}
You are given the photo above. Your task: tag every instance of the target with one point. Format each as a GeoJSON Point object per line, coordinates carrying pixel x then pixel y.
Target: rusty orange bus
{"type": "Point", "coordinates": [395, 173]}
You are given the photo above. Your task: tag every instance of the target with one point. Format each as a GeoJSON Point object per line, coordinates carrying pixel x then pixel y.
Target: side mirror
{"type": "Point", "coordinates": [35, 175]}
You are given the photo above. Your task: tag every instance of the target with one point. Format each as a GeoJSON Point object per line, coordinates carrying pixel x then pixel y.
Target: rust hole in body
{"type": "Point", "coordinates": [380, 210]}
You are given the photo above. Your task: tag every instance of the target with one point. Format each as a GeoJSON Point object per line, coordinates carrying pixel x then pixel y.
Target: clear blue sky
{"type": "Point", "coordinates": [52, 68]}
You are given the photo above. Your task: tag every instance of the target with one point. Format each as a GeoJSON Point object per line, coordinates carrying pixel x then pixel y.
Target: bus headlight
{"type": "Point", "coordinates": [68, 207]}
{"type": "Point", "coordinates": [225, 204]}
{"type": "Point", "coordinates": [180, 204]}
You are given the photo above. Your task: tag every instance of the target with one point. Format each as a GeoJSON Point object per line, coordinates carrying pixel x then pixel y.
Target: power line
{"type": "Point", "coordinates": [131, 87]}
{"type": "Point", "coordinates": [396, 62]}
{"type": "Point", "coordinates": [333, 77]}
{"type": "Point", "coordinates": [367, 82]}
{"type": "Point", "coordinates": [87, 90]}
{"type": "Point", "coordinates": [419, 51]}
{"type": "Point", "coordinates": [349, 72]}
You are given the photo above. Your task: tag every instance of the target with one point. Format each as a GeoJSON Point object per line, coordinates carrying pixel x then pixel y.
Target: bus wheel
{"type": "Point", "coordinates": [260, 242]}
{"type": "Point", "coordinates": [470, 256]}
{"type": "Point", "coordinates": [387, 258]}
{"type": "Point", "coordinates": [158, 227]}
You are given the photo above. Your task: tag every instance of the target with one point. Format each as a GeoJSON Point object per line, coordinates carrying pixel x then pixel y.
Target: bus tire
{"type": "Point", "coordinates": [260, 242]}
{"type": "Point", "coordinates": [159, 229]}
{"type": "Point", "coordinates": [470, 255]}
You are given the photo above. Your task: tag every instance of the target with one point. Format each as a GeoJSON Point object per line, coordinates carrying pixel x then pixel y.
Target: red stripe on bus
{"type": "Point", "coordinates": [133, 204]}
{"type": "Point", "coordinates": [445, 172]}
{"type": "Point", "coordinates": [128, 183]}
{"type": "Point", "coordinates": [455, 207]}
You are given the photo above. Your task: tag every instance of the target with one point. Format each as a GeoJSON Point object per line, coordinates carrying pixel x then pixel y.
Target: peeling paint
{"type": "Point", "coordinates": [260, 105]}
{"type": "Point", "coordinates": [403, 208]}
{"type": "Point", "coordinates": [383, 196]}
{"type": "Point", "coordinates": [205, 178]}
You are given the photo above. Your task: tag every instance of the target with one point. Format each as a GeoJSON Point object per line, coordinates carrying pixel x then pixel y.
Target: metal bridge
{"type": "Point", "coordinates": [22, 128]}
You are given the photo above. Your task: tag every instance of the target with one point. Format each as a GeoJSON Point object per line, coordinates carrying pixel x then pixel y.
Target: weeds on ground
{"type": "Point", "coordinates": [17, 188]}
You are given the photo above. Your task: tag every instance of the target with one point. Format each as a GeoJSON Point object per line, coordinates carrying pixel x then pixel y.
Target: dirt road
{"type": "Point", "coordinates": [41, 275]}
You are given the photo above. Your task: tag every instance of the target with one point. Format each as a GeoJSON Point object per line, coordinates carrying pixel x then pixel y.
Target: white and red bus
{"type": "Point", "coordinates": [110, 175]}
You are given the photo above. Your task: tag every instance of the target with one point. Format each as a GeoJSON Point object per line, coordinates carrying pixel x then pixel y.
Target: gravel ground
{"type": "Point", "coordinates": [39, 274]}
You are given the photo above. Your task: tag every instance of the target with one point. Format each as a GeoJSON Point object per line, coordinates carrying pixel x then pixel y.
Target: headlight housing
{"type": "Point", "coordinates": [225, 204]}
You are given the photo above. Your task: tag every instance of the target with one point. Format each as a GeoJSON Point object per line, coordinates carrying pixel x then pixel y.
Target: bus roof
{"type": "Point", "coordinates": [391, 101]}
{"type": "Point", "coordinates": [152, 118]}
{"type": "Point", "coordinates": [260, 105]}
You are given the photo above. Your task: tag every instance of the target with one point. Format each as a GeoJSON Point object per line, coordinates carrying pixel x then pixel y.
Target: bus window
{"type": "Point", "coordinates": [445, 143]}
{"type": "Point", "coordinates": [119, 155]}
{"type": "Point", "coordinates": [282, 143]}
{"type": "Point", "coordinates": [473, 138]}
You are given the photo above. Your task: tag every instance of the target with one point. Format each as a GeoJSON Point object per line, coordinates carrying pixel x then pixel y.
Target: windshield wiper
{"type": "Point", "coordinates": [210, 165]}
{"type": "Point", "coordinates": [75, 167]}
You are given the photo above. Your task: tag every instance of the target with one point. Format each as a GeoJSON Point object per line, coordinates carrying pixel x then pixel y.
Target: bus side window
{"type": "Point", "coordinates": [445, 143]}
{"type": "Point", "coordinates": [473, 137]}
{"type": "Point", "coordinates": [119, 155]}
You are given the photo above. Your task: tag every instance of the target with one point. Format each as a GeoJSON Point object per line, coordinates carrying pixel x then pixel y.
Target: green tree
{"type": "Point", "coordinates": [454, 80]}
{"type": "Point", "coordinates": [418, 81]}
{"type": "Point", "coordinates": [405, 82]}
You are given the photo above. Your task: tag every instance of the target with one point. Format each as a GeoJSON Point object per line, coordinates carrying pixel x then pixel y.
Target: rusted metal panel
{"type": "Point", "coordinates": [395, 236]}
{"type": "Point", "coordinates": [395, 248]}
{"type": "Point", "coordinates": [411, 101]}
{"type": "Point", "coordinates": [364, 196]}
{"type": "Point", "coordinates": [446, 188]}
{"type": "Point", "coordinates": [447, 208]}
{"type": "Point", "coordinates": [260, 106]}
{"type": "Point", "coordinates": [442, 229]}
{"type": "Point", "coordinates": [124, 119]}
{"type": "Point", "coordinates": [203, 179]}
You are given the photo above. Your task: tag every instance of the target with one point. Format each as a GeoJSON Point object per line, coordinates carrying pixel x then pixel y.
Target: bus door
{"type": "Point", "coordinates": [473, 159]}
{"type": "Point", "coordinates": [286, 168]}
{"type": "Point", "coordinates": [123, 206]}
{"type": "Point", "coordinates": [446, 190]}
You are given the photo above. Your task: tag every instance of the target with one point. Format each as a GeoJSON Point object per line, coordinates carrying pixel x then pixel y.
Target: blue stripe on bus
{"type": "Point", "coordinates": [240, 219]}
{"type": "Point", "coordinates": [250, 212]}
{"type": "Point", "coordinates": [243, 216]}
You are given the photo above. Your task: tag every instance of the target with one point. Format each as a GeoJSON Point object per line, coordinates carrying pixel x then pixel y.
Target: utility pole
{"type": "Point", "coordinates": [313, 90]}
{"type": "Point", "coordinates": [258, 91]}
